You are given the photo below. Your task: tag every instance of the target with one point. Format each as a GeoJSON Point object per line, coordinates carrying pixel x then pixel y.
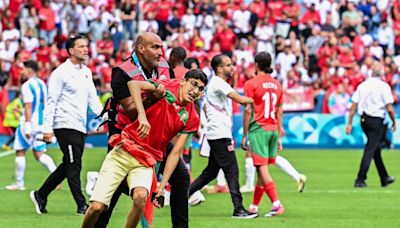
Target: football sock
{"type": "Point", "coordinates": [270, 189]}
{"type": "Point", "coordinates": [47, 162]}
{"type": "Point", "coordinates": [20, 164]}
{"type": "Point", "coordinates": [258, 194]}
{"type": "Point", "coordinates": [221, 178]}
{"type": "Point", "coordinates": [250, 172]}
{"type": "Point", "coordinates": [286, 167]}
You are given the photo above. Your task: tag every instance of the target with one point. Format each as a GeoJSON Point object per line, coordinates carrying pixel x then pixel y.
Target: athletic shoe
{"type": "Point", "coordinates": [360, 184]}
{"type": "Point", "coordinates": [244, 214]}
{"type": "Point", "coordinates": [246, 188]}
{"type": "Point", "coordinates": [14, 187]}
{"type": "Point", "coordinates": [253, 208]}
{"type": "Point", "coordinates": [167, 197]}
{"type": "Point", "coordinates": [39, 203]}
{"type": "Point", "coordinates": [196, 199]}
{"type": "Point", "coordinates": [82, 210]}
{"type": "Point", "coordinates": [301, 183]}
{"type": "Point", "coordinates": [387, 181]}
{"type": "Point", "coordinates": [218, 189]}
{"type": "Point", "coordinates": [275, 211]}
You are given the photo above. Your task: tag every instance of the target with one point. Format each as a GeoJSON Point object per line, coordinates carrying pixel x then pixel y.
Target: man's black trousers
{"type": "Point", "coordinates": [373, 128]}
{"type": "Point", "coordinates": [71, 144]}
{"type": "Point", "coordinates": [222, 156]}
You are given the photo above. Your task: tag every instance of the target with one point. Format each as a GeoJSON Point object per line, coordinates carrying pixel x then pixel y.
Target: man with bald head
{"type": "Point", "coordinates": [145, 63]}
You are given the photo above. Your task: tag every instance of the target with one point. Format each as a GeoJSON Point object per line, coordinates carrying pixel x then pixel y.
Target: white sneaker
{"type": "Point", "coordinates": [196, 199]}
{"type": "Point", "coordinates": [91, 181]}
{"type": "Point", "coordinates": [167, 197]}
{"type": "Point", "coordinates": [301, 183]}
{"type": "Point", "coordinates": [246, 188]}
{"type": "Point", "coordinates": [14, 187]}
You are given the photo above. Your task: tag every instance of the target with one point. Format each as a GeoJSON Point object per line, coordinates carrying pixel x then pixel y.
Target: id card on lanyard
{"type": "Point", "coordinates": [154, 74]}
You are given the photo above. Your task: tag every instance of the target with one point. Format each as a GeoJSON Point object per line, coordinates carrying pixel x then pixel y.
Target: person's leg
{"type": "Point", "coordinates": [139, 198]}
{"type": "Point", "coordinates": [39, 148]}
{"type": "Point", "coordinates": [287, 167]}
{"type": "Point", "coordinates": [257, 196]}
{"type": "Point", "coordinates": [180, 182]}
{"type": "Point", "coordinates": [372, 129]}
{"type": "Point", "coordinates": [226, 159]}
{"type": "Point", "coordinates": [71, 143]}
{"type": "Point", "coordinates": [20, 165]}
{"type": "Point", "coordinates": [250, 171]}
{"type": "Point", "coordinates": [209, 173]}
{"type": "Point", "coordinates": [114, 169]}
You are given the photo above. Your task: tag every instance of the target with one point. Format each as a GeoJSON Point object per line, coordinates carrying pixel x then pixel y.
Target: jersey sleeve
{"type": "Point", "coordinates": [27, 95]}
{"type": "Point", "coordinates": [224, 88]}
{"type": "Point", "coordinates": [356, 96]}
{"type": "Point", "coordinates": [119, 84]}
{"type": "Point", "coordinates": [280, 97]}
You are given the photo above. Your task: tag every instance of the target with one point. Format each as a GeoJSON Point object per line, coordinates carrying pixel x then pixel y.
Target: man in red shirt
{"type": "Point", "coordinates": [136, 152]}
{"type": "Point", "coordinates": [264, 123]}
{"type": "Point", "coordinates": [47, 24]}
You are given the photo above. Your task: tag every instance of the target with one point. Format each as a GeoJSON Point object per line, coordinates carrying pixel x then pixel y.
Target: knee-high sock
{"type": "Point", "coordinates": [258, 194]}
{"type": "Point", "coordinates": [270, 189]}
{"type": "Point", "coordinates": [20, 164]}
{"type": "Point", "coordinates": [286, 167]}
{"type": "Point", "coordinates": [47, 162]}
{"type": "Point", "coordinates": [221, 181]}
{"type": "Point", "coordinates": [250, 172]}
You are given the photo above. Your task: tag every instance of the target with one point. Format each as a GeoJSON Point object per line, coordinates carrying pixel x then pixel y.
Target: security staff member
{"type": "Point", "coordinates": [371, 99]}
{"type": "Point", "coordinates": [146, 63]}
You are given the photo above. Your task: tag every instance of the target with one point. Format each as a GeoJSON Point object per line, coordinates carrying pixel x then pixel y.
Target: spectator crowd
{"type": "Point", "coordinates": [327, 46]}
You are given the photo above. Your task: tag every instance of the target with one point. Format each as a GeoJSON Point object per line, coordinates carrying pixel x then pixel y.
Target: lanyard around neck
{"type": "Point", "coordinates": [140, 68]}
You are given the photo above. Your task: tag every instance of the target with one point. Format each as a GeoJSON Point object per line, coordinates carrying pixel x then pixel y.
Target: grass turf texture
{"type": "Point", "coordinates": [329, 199]}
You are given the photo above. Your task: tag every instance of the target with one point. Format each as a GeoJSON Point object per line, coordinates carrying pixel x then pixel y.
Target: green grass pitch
{"type": "Point", "coordinates": [329, 199]}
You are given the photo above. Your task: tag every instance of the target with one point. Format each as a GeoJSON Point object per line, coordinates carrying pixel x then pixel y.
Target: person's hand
{"type": "Point", "coordinates": [393, 128]}
{"type": "Point", "coordinates": [244, 143]}
{"type": "Point", "coordinates": [159, 193]}
{"type": "Point", "coordinates": [28, 130]}
{"type": "Point", "coordinates": [280, 146]}
{"type": "Point", "coordinates": [144, 126]}
{"type": "Point", "coordinates": [349, 127]}
{"type": "Point", "coordinates": [47, 137]}
{"type": "Point", "coordinates": [159, 92]}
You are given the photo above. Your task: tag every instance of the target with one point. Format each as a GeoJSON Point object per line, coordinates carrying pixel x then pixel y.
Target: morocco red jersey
{"type": "Point", "coordinates": [167, 118]}
{"type": "Point", "coordinates": [267, 94]}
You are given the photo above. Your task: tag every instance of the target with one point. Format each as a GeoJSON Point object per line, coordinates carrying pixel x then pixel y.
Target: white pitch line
{"type": "Point", "coordinates": [6, 153]}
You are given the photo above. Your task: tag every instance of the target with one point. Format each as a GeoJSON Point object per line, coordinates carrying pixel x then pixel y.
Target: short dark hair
{"type": "Point", "coordinates": [189, 61]}
{"type": "Point", "coordinates": [197, 74]}
{"type": "Point", "coordinates": [70, 43]}
{"type": "Point", "coordinates": [31, 64]}
{"type": "Point", "coordinates": [216, 61]}
{"type": "Point", "coordinates": [178, 53]}
{"type": "Point", "coordinates": [263, 60]}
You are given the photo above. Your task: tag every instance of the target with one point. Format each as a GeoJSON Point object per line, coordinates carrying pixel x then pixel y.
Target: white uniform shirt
{"type": "Point", "coordinates": [71, 92]}
{"type": "Point", "coordinates": [372, 97]}
{"type": "Point", "coordinates": [219, 109]}
{"type": "Point", "coordinates": [34, 91]}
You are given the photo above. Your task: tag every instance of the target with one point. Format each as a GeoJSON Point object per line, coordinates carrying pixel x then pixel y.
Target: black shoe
{"type": "Point", "coordinates": [82, 210]}
{"type": "Point", "coordinates": [360, 184]}
{"type": "Point", "coordinates": [387, 181]}
{"type": "Point", "coordinates": [38, 202]}
{"type": "Point", "coordinates": [244, 214]}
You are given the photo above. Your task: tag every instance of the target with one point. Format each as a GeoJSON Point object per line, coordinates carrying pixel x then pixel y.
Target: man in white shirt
{"type": "Point", "coordinates": [218, 108]}
{"type": "Point", "coordinates": [371, 99]}
{"type": "Point", "coordinates": [71, 92]}
{"type": "Point", "coordinates": [34, 95]}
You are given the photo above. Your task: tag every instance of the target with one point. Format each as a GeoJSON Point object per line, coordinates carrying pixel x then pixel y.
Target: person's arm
{"type": "Point", "coordinates": [279, 114]}
{"type": "Point", "coordinates": [136, 88]}
{"type": "Point", "coordinates": [392, 116]}
{"type": "Point", "coordinates": [55, 87]}
{"type": "Point", "coordinates": [240, 99]}
{"type": "Point", "coordinates": [246, 122]}
{"type": "Point", "coordinates": [170, 165]}
{"type": "Point", "coordinates": [352, 111]}
{"type": "Point", "coordinates": [28, 118]}
{"type": "Point", "coordinates": [93, 100]}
